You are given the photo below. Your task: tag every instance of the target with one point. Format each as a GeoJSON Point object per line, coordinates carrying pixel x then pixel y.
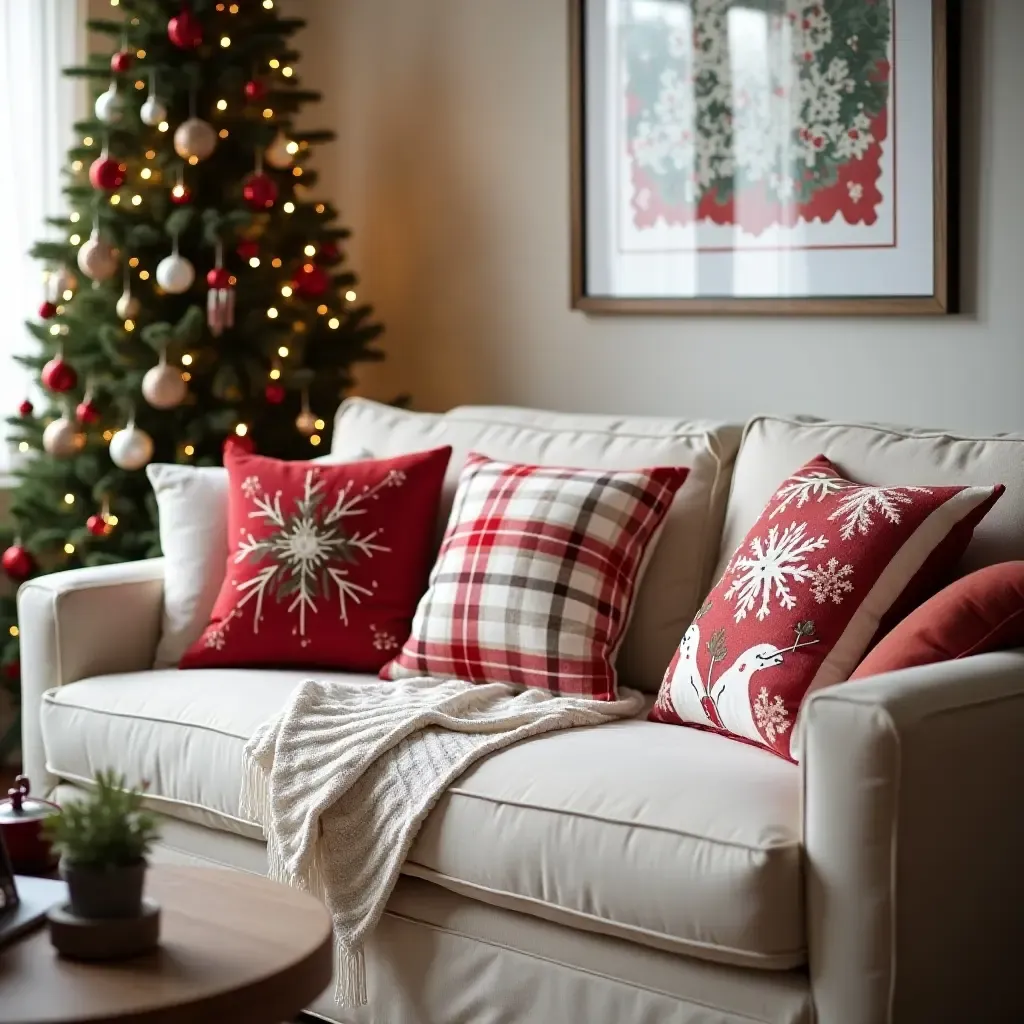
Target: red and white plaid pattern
{"type": "Point", "coordinates": [536, 574]}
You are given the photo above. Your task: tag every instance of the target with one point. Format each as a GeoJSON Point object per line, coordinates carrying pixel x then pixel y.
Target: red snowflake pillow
{"type": "Point", "coordinates": [326, 563]}
{"type": "Point", "coordinates": [803, 595]}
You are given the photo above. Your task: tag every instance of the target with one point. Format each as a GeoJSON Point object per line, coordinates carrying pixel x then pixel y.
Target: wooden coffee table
{"type": "Point", "coordinates": [233, 947]}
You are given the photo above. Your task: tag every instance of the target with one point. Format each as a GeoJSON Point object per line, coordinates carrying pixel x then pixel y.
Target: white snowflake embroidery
{"type": "Point", "coordinates": [802, 487]}
{"type": "Point", "coordinates": [298, 557]}
{"type": "Point", "coordinates": [856, 190]}
{"type": "Point", "coordinates": [217, 637]}
{"type": "Point", "coordinates": [861, 503]}
{"type": "Point", "coordinates": [772, 716]}
{"type": "Point", "coordinates": [829, 582]}
{"type": "Point", "coordinates": [773, 565]}
{"type": "Point", "coordinates": [383, 640]}
{"type": "Point", "coordinates": [250, 486]}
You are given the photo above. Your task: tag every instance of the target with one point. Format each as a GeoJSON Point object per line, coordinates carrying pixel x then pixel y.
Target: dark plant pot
{"type": "Point", "coordinates": [104, 893]}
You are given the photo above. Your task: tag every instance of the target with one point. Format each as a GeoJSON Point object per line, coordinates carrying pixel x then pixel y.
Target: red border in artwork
{"type": "Point", "coordinates": [892, 133]}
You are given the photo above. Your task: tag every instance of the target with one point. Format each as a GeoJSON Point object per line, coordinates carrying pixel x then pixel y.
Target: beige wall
{"type": "Point", "coordinates": [452, 167]}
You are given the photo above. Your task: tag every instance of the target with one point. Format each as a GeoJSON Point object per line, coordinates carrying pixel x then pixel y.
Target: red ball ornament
{"type": "Point", "coordinates": [239, 444]}
{"type": "Point", "coordinates": [274, 394]}
{"type": "Point", "coordinates": [17, 563]}
{"type": "Point", "coordinates": [106, 173]}
{"type": "Point", "coordinates": [26, 408]}
{"type": "Point", "coordinates": [260, 191]}
{"type": "Point", "coordinates": [97, 525]}
{"type": "Point", "coordinates": [86, 412]}
{"type": "Point", "coordinates": [122, 61]}
{"type": "Point", "coordinates": [47, 310]}
{"type": "Point", "coordinates": [58, 375]}
{"type": "Point", "coordinates": [218, 277]}
{"type": "Point", "coordinates": [248, 248]}
{"type": "Point", "coordinates": [255, 90]}
{"type": "Point", "coordinates": [181, 194]}
{"type": "Point", "coordinates": [185, 31]}
{"type": "Point", "coordinates": [327, 253]}
{"type": "Point", "coordinates": [311, 281]}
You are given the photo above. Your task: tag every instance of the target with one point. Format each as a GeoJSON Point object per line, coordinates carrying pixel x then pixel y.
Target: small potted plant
{"type": "Point", "coordinates": [103, 840]}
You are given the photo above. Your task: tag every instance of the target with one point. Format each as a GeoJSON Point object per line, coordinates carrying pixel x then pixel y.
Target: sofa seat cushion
{"type": "Point", "coordinates": [675, 839]}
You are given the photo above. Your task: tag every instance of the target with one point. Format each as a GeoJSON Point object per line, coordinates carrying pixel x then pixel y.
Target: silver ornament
{"type": "Point", "coordinates": [97, 259]}
{"type": "Point", "coordinates": [276, 154]}
{"type": "Point", "coordinates": [131, 448]}
{"type": "Point", "coordinates": [163, 387]}
{"type": "Point", "coordinates": [306, 422]}
{"type": "Point", "coordinates": [175, 274]}
{"type": "Point", "coordinates": [62, 438]}
{"type": "Point", "coordinates": [195, 137]}
{"type": "Point", "coordinates": [128, 306]}
{"type": "Point", "coordinates": [109, 106]}
{"type": "Point", "coordinates": [153, 111]}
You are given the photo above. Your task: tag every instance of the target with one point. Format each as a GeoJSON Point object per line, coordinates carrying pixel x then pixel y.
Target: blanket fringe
{"type": "Point", "coordinates": [350, 989]}
{"type": "Point", "coordinates": [254, 800]}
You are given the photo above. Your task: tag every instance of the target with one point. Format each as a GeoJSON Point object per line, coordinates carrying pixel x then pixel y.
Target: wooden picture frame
{"type": "Point", "coordinates": [597, 214]}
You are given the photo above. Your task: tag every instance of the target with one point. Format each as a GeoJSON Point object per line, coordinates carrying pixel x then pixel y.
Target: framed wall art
{"type": "Point", "coordinates": [761, 156]}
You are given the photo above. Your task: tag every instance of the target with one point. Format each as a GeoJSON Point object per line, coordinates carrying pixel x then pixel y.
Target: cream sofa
{"type": "Point", "coordinates": [636, 872]}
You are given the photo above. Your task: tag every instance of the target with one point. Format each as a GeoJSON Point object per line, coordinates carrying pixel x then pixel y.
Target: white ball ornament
{"type": "Point", "coordinates": [131, 448]}
{"type": "Point", "coordinates": [163, 387]}
{"type": "Point", "coordinates": [195, 137]}
{"type": "Point", "coordinates": [276, 154]}
{"type": "Point", "coordinates": [175, 274]}
{"type": "Point", "coordinates": [153, 111]}
{"type": "Point", "coordinates": [128, 306]}
{"type": "Point", "coordinates": [109, 105]}
{"type": "Point", "coordinates": [62, 438]}
{"type": "Point", "coordinates": [97, 259]}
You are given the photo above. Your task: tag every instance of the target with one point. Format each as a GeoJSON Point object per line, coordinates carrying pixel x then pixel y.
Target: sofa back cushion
{"type": "Point", "coordinates": [773, 447]}
{"type": "Point", "coordinates": [681, 565]}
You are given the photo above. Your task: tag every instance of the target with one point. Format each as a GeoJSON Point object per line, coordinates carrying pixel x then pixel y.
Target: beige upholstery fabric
{"type": "Point", "coordinates": [774, 447]}
{"type": "Point", "coordinates": [914, 843]}
{"type": "Point", "coordinates": [438, 958]}
{"type": "Point", "coordinates": [679, 570]}
{"type": "Point", "coordinates": [673, 838]}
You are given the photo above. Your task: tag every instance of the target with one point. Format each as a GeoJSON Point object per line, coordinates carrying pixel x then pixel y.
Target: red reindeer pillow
{"type": "Point", "coordinates": [803, 595]}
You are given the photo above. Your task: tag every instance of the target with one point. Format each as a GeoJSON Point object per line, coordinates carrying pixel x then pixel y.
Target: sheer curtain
{"type": "Point", "coordinates": [37, 110]}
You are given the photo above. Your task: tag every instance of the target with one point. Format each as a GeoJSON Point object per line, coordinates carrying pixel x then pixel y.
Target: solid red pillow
{"type": "Point", "coordinates": [327, 562]}
{"type": "Point", "coordinates": [980, 612]}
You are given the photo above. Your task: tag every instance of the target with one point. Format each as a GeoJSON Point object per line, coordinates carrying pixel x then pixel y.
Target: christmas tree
{"type": "Point", "coordinates": [198, 297]}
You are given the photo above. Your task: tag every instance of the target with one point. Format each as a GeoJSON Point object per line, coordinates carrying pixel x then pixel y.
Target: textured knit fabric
{"type": "Point", "coordinates": [535, 578]}
{"type": "Point", "coordinates": [344, 776]}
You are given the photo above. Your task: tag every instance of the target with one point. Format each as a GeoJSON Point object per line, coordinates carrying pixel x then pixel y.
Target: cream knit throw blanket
{"type": "Point", "coordinates": [344, 776]}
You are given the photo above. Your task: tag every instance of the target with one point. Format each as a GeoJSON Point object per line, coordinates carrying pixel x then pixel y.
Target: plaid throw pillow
{"type": "Point", "coordinates": [536, 574]}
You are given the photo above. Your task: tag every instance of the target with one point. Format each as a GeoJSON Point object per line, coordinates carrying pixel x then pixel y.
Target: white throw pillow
{"type": "Point", "coordinates": [192, 502]}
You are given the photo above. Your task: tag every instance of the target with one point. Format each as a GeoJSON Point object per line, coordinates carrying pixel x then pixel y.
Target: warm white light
{"type": "Point", "coordinates": [314, 439]}
{"type": "Point", "coordinates": [241, 430]}
{"type": "Point", "coordinates": [136, 200]}
{"type": "Point", "coordinates": [112, 520]}
{"type": "Point", "coordinates": [162, 126]}
{"type": "Point", "coordinates": [87, 141]}
{"type": "Point", "coordinates": [286, 290]}
{"type": "Point", "coordinates": [334, 323]}
{"type": "Point", "coordinates": [140, 84]}
{"type": "Point", "coordinates": [115, 199]}
{"type": "Point", "coordinates": [186, 359]}
{"type": "Point", "coordinates": [268, 4]}
{"type": "Point", "coordinates": [193, 160]}
{"type": "Point", "coordinates": [186, 376]}
{"type": "Point", "coordinates": [143, 275]}
{"type": "Point", "coordinates": [75, 217]}
{"type": "Point", "coordinates": [76, 165]}
{"type": "Point", "coordinates": [276, 262]}
{"type": "Point", "coordinates": [320, 208]}
{"type": "Point", "coordinates": [23, 447]}
{"type": "Point", "coordinates": [150, 154]}
{"type": "Point", "coordinates": [222, 104]}
{"type": "Point", "coordinates": [55, 329]}
{"type": "Point", "coordinates": [289, 207]}
{"type": "Point", "coordinates": [75, 239]}
{"type": "Point", "coordinates": [268, 112]}
{"type": "Point", "coordinates": [310, 250]}
{"type": "Point", "coordinates": [69, 499]}
{"type": "Point", "coordinates": [319, 424]}
{"type": "Point", "coordinates": [129, 325]}
{"type": "Point", "coordinates": [350, 295]}
{"type": "Point", "coordinates": [141, 54]}
{"type": "Point", "coordinates": [254, 261]}
{"type": "Point", "coordinates": [68, 294]}
{"type": "Point", "coordinates": [69, 548]}
{"type": "Point", "coordinates": [287, 72]}
{"type": "Point", "coordinates": [292, 147]}
{"type": "Point", "coordinates": [321, 309]}
{"type": "Point", "coordinates": [225, 41]}
{"type": "Point", "coordinates": [283, 351]}
{"type": "Point", "coordinates": [274, 62]}
{"type": "Point", "coordinates": [297, 171]}
{"type": "Point", "coordinates": [272, 313]}
{"type": "Point", "coordinates": [275, 374]}
{"type": "Point", "coordinates": [189, 450]}
{"type": "Point", "coordinates": [178, 191]}
{"type": "Point", "coordinates": [146, 172]}
{"type": "Point", "coordinates": [223, 133]}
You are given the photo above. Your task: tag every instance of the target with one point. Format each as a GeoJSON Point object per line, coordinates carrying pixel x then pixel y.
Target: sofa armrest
{"type": "Point", "coordinates": [914, 841]}
{"type": "Point", "coordinates": [81, 623]}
